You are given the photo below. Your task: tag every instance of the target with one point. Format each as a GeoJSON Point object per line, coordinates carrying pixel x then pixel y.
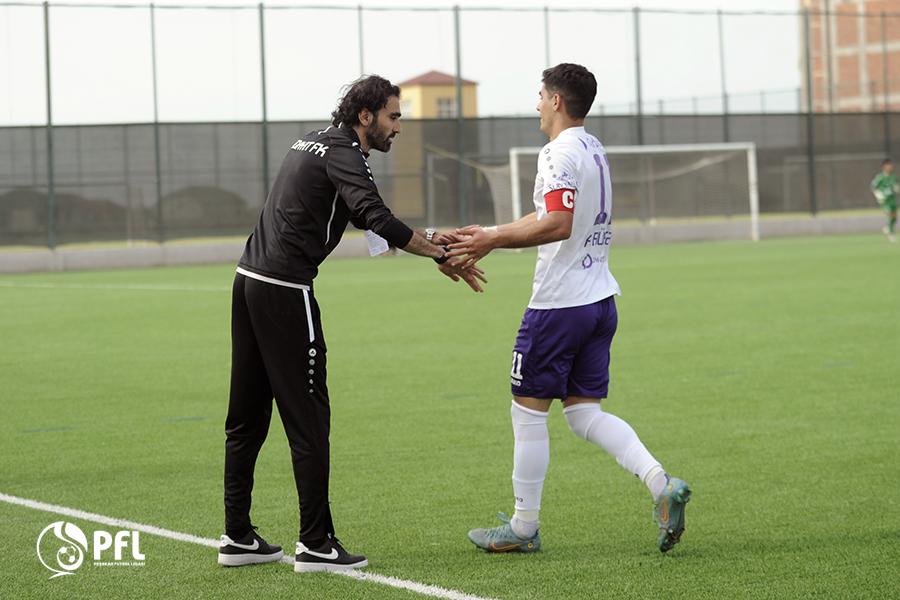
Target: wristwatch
{"type": "Point", "coordinates": [429, 234]}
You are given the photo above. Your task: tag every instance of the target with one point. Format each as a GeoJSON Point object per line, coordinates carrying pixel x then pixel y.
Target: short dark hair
{"type": "Point", "coordinates": [575, 84]}
{"type": "Point", "coordinates": [370, 92]}
{"type": "Point", "coordinates": [887, 161]}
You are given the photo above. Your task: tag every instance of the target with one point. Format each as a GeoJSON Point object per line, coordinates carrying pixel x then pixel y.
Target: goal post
{"type": "Point", "coordinates": [694, 180]}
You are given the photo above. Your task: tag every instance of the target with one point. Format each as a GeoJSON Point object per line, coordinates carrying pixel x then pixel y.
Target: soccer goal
{"type": "Point", "coordinates": [662, 183]}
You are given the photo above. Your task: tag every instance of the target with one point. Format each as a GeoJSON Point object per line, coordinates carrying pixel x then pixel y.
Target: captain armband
{"type": "Point", "coordinates": [562, 199]}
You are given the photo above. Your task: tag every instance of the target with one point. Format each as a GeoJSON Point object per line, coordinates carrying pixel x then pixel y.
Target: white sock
{"type": "Point", "coordinates": [656, 481]}
{"type": "Point", "coordinates": [530, 461]}
{"type": "Point", "coordinates": [588, 421]}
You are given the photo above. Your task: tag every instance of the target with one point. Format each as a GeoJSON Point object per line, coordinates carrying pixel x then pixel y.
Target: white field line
{"type": "Point", "coordinates": [413, 586]}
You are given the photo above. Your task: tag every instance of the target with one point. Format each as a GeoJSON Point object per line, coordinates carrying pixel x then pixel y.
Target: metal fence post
{"type": "Point", "coordinates": [32, 131]}
{"type": "Point", "coordinates": [460, 179]}
{"type": "Point", "coordinates": [810, 115]}
{"type": "Point", "coordinates": [51, 191]}
{"type": "Point", "coordinates": [829, 67]}
{"type": "Point", "coordinates": [359, 32]}
{"type": "Point", "coordinates": [265, 112]}
{"type": "Point", "coordinates": [885, 85]}
{"type": "Point", "coordinates": [726, 133]}
{"type": "Point", "coordinates": [637, 75]}
{"type": "Point", "coordinates": [126, 176]}
{"type": "Point", "coordinates": [546, 36]}
{"type": "Point", "coordinates": [160, 227]}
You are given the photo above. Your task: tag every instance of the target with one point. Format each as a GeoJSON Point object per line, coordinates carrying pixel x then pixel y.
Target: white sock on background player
{"type": "Point", "coordinates": [531, 458]}
{"type": "Point", "coordinates": [588, 421]}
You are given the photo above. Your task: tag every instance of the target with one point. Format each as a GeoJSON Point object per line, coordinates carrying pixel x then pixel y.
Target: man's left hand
{"type": "Point", "coordinates": [472, 275]}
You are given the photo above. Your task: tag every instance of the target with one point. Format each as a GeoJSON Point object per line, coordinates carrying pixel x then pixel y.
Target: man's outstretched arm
{"type": "Point", "coordinates": [422, 247]}
{"type": "Point", "coordinates": [524, 233]}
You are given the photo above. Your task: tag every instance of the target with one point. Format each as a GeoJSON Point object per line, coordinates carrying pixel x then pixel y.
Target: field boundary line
{"type": "Point", "coordinates": [405, 584]}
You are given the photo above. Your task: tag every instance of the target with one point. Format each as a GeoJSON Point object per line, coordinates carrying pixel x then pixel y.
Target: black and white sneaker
{"type": "Point", "coordinates": [330, 556]}
{"type": "Point", "coordinates": [249, 550]}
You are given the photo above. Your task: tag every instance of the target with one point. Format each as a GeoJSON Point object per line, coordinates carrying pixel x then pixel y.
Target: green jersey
{"type": "Point", "coordinates": [886, 185]}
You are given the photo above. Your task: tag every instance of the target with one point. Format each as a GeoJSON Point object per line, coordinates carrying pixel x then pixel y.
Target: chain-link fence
{"type": "Point", "coordinates": [211, 178]}
{"type": "Point", "coordinates": [267, 75]}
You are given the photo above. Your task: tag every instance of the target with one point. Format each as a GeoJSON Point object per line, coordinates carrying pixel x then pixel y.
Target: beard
{"type": "Point", "coordinates": [378, 140]}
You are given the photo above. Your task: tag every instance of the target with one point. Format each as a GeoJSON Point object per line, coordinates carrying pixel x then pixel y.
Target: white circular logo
{"type": "Point", "coordinates": [64, 554]}
{"type": "Point", "coordinates": [312, 351]}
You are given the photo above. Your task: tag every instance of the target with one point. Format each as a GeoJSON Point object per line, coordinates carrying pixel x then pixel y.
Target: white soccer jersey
{"type": "Point", "coordinates": [575, 272]}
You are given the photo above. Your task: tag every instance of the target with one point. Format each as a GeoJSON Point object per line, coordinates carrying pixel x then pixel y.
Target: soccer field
{"type": "Point", "coordinates": [767, 375]}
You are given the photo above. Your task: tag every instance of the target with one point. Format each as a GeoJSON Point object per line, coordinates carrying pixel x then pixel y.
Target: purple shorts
{"type": "Point", "coordinates": [564, 352]}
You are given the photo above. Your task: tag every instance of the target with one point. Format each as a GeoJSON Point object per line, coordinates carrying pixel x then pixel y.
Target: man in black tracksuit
{"type": "Point", "coordinates": [278, 348]}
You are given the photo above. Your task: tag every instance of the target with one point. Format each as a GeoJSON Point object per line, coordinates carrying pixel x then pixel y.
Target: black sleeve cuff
{"type": "Point", "coordinates": [396, 232]}
{"type": "Point", "coordinates": [443, 258]}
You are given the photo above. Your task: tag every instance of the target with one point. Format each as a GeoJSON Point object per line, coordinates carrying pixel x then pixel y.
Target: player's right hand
{"type": "Point", "coordinates": [478, 244]}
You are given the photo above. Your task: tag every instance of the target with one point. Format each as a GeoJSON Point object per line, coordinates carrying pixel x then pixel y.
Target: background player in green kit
{"type": "Point", "coordinates": [885, 188]}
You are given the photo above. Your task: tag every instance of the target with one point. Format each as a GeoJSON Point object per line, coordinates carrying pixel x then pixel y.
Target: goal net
{"type": "Point", "coordinates": [654, 184]}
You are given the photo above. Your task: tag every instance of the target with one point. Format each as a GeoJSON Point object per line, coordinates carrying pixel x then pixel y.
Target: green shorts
{"type": "Point", "coordinates": [890, 204]}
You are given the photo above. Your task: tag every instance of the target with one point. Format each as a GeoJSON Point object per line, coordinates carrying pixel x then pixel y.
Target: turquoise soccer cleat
{"type": "Point", "coordinates": [669, 513]}
{"type": "Point", "coordinates": [504, 539]}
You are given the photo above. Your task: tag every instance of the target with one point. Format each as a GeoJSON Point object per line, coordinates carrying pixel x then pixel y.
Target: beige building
{"type": "Point", "coordinates": [855, 55]}
{"type": "Point", "coordinates": [432, 95]}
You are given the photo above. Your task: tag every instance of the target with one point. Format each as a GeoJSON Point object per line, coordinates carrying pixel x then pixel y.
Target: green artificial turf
{"type": "Point", "coordinates": [767, 375]}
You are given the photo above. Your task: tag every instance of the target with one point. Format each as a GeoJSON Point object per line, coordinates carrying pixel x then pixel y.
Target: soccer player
{"type": "Point", "coordinates": [885, 189]}
{"type": "Point", "coordinates": [562, 349]}
{"type": "Point", "coordinates": [278, 348]}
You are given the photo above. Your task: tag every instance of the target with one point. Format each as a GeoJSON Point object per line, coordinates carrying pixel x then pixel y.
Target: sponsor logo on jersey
{"type": "Point", "coordinates": [598, 238]}
{"type": "Point", "coordinates": [590, 260]}
{"type": "Point", "coordinates": [313, 147]}
{"type": "Point", "coordinates": [587, 262]}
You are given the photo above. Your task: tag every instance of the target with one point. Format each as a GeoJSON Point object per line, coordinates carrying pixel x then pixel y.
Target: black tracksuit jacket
{"type": "Point", "coordinates": [324, 183]}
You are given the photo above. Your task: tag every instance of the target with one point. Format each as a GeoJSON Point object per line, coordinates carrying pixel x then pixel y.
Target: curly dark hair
{"type": "Point", "coordinates": [370, 92]}
{"type": "Point", "coordinates": [575, 84]}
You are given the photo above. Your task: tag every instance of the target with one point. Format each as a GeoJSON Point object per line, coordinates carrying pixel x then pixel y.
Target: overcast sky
{"type": "Point", "coordinates": [208, 61]}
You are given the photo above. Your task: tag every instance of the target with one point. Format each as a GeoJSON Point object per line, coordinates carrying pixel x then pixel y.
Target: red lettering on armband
{"type": "Point", "coordinates": [560, 200]}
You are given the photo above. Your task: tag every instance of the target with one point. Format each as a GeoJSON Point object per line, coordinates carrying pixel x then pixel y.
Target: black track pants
{"type": "Point", "coordinates": [277, 350]}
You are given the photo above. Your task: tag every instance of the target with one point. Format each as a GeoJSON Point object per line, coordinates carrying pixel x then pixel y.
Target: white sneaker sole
{"type": "Point", "coordinates": [305, 567]}
{"type": "Point", "coordinates": [239, 560]}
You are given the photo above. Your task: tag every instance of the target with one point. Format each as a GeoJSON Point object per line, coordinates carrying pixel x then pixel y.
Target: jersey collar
{"type": "Point", "coordinates": [572, 130]}
{"type": "Point", "coordinates": [354, 139]}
